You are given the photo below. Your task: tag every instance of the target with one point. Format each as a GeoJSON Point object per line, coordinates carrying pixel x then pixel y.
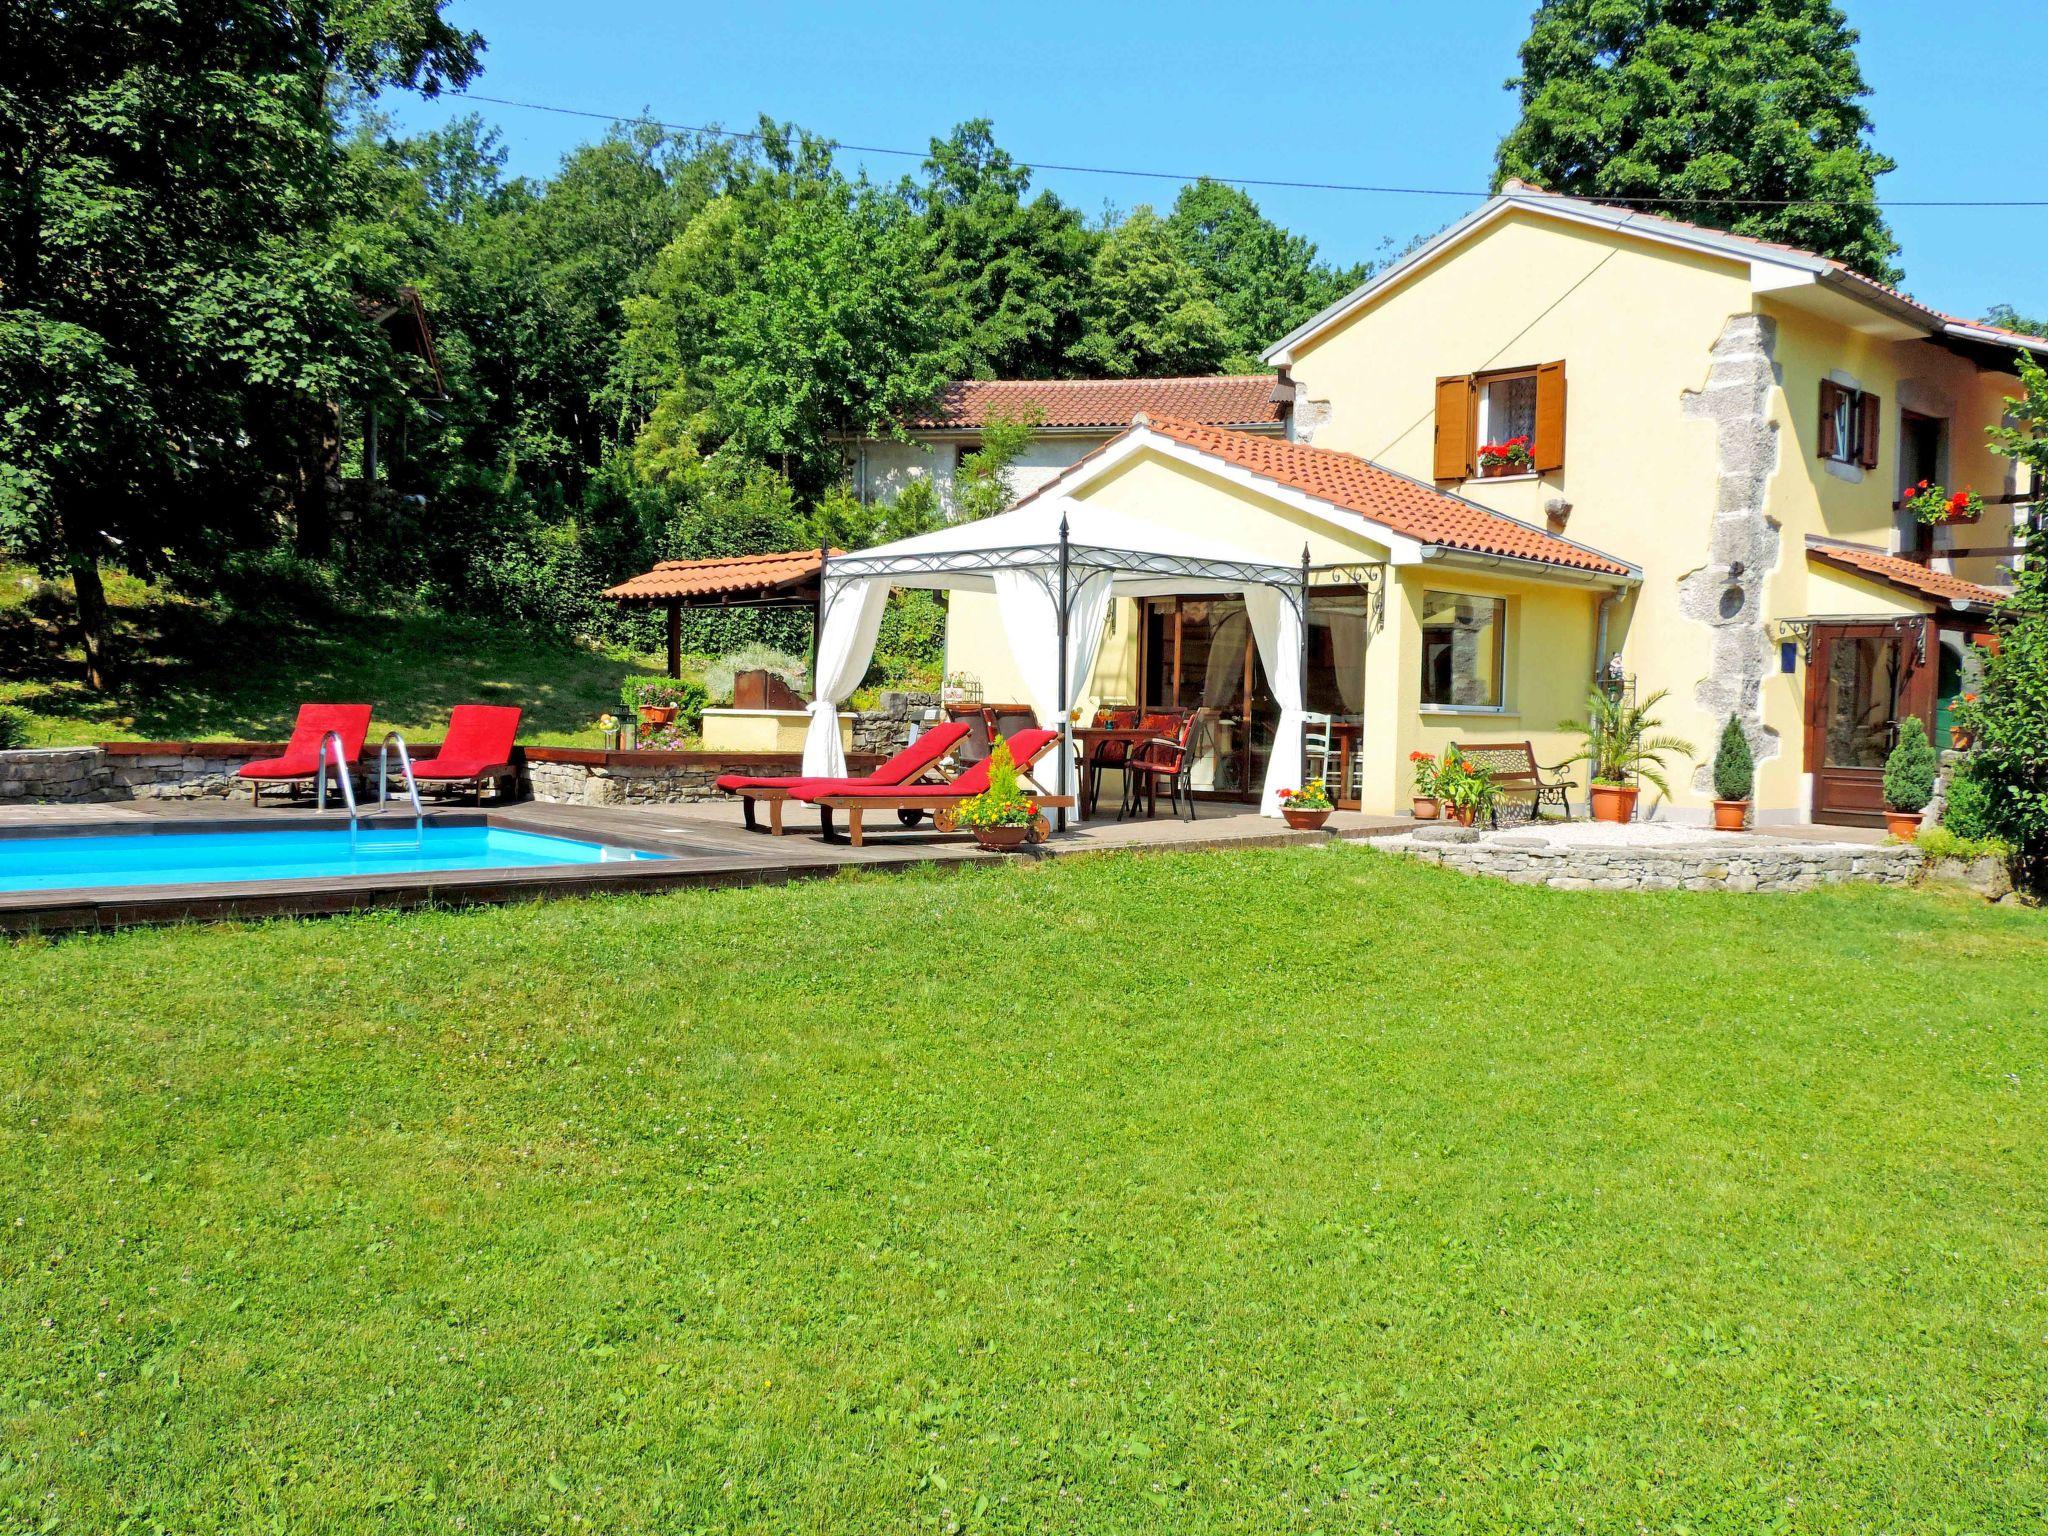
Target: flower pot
{"type": "Point", "coordinates": [1463, 815]}
{"type": "Point", "coordinates": [1614, 802]}
{"type": "Point", "coordinates": [1904, 825]}
{"type": "Point", "coordinates": [1730, 815]}
{"type": "Point", "coordinates": [1427, 809]}
{"type": "Point", "coordinates": [1001, 839]}
{"type": "Point", "coordinates": [1304, 821]}
{"type": "Point", "coordinates": [657, 714]}
{"type": "Point", "coordinates": [1959, 738]}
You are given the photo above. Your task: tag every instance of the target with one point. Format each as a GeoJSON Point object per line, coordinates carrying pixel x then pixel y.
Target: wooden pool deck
{"type": "Point", "coordinates": [705, 845]}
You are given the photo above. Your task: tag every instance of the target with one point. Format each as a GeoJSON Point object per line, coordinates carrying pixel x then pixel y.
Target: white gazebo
{"type": "Point", "coordinates": [1054, 564]}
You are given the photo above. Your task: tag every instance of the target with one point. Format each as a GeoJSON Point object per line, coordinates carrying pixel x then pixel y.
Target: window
{"type": "Point", "coordinates": [1463, 649]}
{"type": "Point", "coordinates": [1474, 409]}
{"type": "Point", "coordinates": [1849, 427]}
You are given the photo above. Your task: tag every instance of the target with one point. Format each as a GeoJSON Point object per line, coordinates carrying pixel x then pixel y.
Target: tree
{"type": "Point", "coordinates": [1746, 111]}
{"type": "Point", "coordinates": [1266, 280]}
{"type": "Point", "coordinates": [1007, 275]}
{"type": "Point", "coordinates": [1150, 311]}
{"type": "Point", "coordinates": [983, 484]}
{"type": "Point", "coordinates": [2009, 716]}
{"type": "Point", "coordinates": [2013, 320]}
{"type": "Point", "coordinates": [176, 315]}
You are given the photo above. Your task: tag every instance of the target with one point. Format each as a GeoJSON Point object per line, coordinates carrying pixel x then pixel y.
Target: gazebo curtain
{"type": "Point", "coordinates": [1276, 630]}
{"type": "Point", "coordinates": [846, 644]}
{"type": "Point", "coordinates": [1031, 622]}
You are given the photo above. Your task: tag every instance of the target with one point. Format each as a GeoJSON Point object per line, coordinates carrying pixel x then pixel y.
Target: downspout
{"type": "Point", "coordinates": [1600, 635]}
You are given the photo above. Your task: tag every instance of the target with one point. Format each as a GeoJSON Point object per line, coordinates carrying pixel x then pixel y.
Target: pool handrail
{"type": "Point", "coordinates": [412, 788]}
{"type": "Point", "coordinates": [348, 788]}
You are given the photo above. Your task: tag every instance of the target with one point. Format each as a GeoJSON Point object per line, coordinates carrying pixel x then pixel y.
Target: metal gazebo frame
{"type": "Point", "coordinates": [1056, 568]}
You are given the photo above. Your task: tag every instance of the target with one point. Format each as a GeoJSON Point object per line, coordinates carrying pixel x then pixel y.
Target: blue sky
{"type": "Point", "coordinates": [1405, 94]}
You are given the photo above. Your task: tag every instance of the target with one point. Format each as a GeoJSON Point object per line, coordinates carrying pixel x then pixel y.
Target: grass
{"type": "Point", "coordinates": [1262, 1191]}
{"type": "Point", "coordinates": [239, 669]}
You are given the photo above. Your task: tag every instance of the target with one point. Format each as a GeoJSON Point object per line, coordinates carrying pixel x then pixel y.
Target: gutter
{"type": "Point", "coordinates": [1572, 574]}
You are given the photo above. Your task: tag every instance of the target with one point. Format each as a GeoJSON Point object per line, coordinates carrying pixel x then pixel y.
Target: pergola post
{"type": "Point", "coordinates": [675, 638]}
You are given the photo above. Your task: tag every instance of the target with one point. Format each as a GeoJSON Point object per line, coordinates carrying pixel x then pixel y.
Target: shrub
{"type": "Point", "coordinates": [1003, 803]}
{"type": "Point", "coordinates": [1967, 811]}
{"type": "Point", "coordinates": [14, 722]}
{"type": "Point", "coordinates": [1943, 842]}
{"type": "Point", "coordinates": [1909, 771]}
{"type": "Point", "coordinates": [1734, 770]}
{"type": "Point", "coordinates": [686, 697]}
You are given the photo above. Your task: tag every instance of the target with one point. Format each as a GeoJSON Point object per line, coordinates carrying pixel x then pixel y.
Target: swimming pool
{"type": "Point", "coordinates": [194, 858]}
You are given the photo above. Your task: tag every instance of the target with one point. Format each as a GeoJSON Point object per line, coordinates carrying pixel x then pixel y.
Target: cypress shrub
{"type": "Point", "coordinates": [1734, 770]}
{"type": "Point", "coordinates": [1909, 771]}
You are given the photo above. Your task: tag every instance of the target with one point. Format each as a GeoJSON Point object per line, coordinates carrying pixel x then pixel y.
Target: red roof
{"type": "Point", "coordinates": [1406, 507]}
{"type": "Point", "coordinates": [1910, 575]}
{"type": "Point", "coordinates": [771, 575]}
{"type": "Point", "coordinates": [1231, 400]}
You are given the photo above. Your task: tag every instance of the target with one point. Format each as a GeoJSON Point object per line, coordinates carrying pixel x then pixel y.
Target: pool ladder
{"type": "Point", "coordinates": [348, 790]}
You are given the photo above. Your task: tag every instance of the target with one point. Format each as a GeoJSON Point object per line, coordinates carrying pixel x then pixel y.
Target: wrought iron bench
{"type": "Point", "coordinates": [1515, 769]}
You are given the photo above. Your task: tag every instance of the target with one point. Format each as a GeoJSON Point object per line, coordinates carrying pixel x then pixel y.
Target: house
{"type": "Point", "coordinates": [1718, 433]}
{"type": "Point", "coordinates": [1072, 417]}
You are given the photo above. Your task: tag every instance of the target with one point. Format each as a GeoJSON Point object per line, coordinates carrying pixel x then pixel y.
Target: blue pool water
{"type": "Point", "coordinates": [177, 858]}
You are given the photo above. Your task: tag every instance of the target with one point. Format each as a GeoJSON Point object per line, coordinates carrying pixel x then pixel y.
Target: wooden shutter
{"type": "Point", "coordinates": [1828, 392]}
{"type": "Point", "coordinates": [1548, 448]}
{"type": "Point", "coordinates": [1869, 425]}
{"type": "Point", "coordinates": [1454, 427]}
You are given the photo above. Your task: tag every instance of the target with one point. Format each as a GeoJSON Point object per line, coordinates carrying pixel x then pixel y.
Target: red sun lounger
{"type": "Point", "coordinates": [910, 802]}
{"type": "Point", "coordinates": [914, 763]}
{"type": "Point", "coordinates": [476, 751]}
{"type": "Point", "coordinates": [301, 759]}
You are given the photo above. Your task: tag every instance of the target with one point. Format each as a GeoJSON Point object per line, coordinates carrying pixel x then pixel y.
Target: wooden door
{"type": "Point", "coordinates": [1861, 681]}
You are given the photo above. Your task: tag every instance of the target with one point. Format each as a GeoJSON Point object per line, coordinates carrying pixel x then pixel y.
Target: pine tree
{"type": "Point", "coordinates": [1746, 111]}
{"type": "Point", "coordinates": [1734, 770]}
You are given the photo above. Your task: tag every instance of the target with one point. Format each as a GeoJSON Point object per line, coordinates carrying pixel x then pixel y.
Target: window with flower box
{"type": "Point", "coordinates": [1504, 422]}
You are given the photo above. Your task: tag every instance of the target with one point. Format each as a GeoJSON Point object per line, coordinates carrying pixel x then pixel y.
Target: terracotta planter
{"type": "Point", "coordinates": [657, 714]}
{"type": "Point", "coordinates": [1730, 815]}
{"type": "Point", "coordinates": [1614, 802]}
{"type": "Point", "coordinates": [1001, 839]}
{"type": "Point", "coordinates": [1304, 821]}
{"type": "Point", "coordinates": [1427, 809]}
{"type": "Point", "coordinates": [1904, 825]}
{"type": "Point", "coordinates": [1462, 815]}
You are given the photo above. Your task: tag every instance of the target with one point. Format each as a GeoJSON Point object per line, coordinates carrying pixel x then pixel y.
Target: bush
{"type": "Point", "coordinates": [910, 646]}
{"type": "Point", "coordinates": [14, 723]}
{"type": "Point", "coordinates": [1967, 812]}
{"type": "Point", "coordinates": [687, 698]}
{"type": "Point", "coordinates": [1909, 771]}
{"type": "Point", "coordinates": [1734, 771]}
{"type": "Point", "coordinates": [718, 676]}
{"type": "Point", "coordinates": [1942, 842]}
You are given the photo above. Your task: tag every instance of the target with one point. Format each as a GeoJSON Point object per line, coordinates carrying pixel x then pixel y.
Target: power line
{"type": "Point", "coordinates": [1466, 194]}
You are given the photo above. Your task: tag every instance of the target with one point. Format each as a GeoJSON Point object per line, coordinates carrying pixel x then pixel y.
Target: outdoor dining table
{"type": "Point", "coordinates": [1087, 738]}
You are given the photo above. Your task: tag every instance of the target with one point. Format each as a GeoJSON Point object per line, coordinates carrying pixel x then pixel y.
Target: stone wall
{"type": "Point", "coordinates": [885, 730]}
{"type": "Point", "coordinates": [54, 775]}
{"type": "Point", "coordinates": [1750, 863]}
{"type": "Point", "coordinates": [658, 778]}
{"type": "Point", "coordinates": [175, 775]}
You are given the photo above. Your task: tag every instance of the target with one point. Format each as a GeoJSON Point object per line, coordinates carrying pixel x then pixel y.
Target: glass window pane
{"type": "Point", "coordinates": [1462, 649]}
{"type": "Point", "coordinates": [1862, 700]}
{"type": "Point", "coordinates": [1510, 408]}
{"type": "Point", "coordinates": [1336, 653]}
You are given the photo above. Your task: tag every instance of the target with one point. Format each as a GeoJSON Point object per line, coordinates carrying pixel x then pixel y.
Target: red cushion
{"type": "Point", "coordinates": [898, 770]}
{"type": "Point", "coordinates": [730, 782]}
{"type": "Point", "coordinates": [302, 752]}
{"type": "Point", "coordinates": [454, 768]}
{"type": "Point", "coordinates": [478, 733]}
{"type": "Point", "coordinates": [1026, 747]}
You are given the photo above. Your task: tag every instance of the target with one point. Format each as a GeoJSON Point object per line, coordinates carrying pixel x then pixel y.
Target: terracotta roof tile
{"type": "Point", "coordinates": [1235, 400]}
{"type": "Point", "coordinates": [723, 577]}
{"type": "Point", "coordinates": [1901, 572]}
{"type": "Point", "coordinates": [1407, 507]}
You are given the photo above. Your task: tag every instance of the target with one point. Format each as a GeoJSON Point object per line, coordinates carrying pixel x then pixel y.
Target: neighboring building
{"type": "Point", "coordinates": [1073, 416]}
{"type": "Point", "coordinates": [1719, 430]}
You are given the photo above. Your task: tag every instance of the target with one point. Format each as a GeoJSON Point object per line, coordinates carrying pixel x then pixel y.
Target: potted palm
{"type": "Point", "coordinates": [1308, 807]}
{"type": "Point", "coordinates": [1000, 817]}
{"type": "Point", "coordinates": [1623, 744]}
{"type": "Point", "coordinates": [1908, 780]}
{"type": "Point", "coordinates": [1427, 806]}
{"type": "Point", "coordinates": [1734, 778]}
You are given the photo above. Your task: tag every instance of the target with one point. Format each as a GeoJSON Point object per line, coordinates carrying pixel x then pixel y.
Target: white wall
{"type": "Point", "coordinates": [877, 469]}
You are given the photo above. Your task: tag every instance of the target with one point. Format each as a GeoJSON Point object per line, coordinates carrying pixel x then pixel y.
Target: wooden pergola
{"type": "Point", "coordinates": [785, 579]}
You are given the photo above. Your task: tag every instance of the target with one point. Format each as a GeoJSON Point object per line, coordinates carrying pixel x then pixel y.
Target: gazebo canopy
{"type": "Point", "coordinates": [1054, 565]}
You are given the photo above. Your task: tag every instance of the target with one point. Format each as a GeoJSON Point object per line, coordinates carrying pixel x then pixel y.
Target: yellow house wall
{"type": "Point", "coordinates": [1636, 324]}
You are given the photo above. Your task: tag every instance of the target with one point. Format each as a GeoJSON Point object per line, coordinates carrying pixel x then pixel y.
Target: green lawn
{"type": "Point", "coordinates": [190, 671]}
{"type": "Point", "coordinates": [1265, 1191]}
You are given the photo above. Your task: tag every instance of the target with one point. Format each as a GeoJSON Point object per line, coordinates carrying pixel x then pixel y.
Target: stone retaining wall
{"type": "Point", "coordinates": [1750, 864]}
{"type": "Point", "coordinates": [54, 775]}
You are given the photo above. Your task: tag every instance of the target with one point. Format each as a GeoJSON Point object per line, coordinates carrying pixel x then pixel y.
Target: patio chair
{"type": "Point", "coordinates": [1108, 755]}
{"type": "Point", "coordinates": [857, 800]}
{"type": "Point", "coordinates": [476, 751]}
{"type": "Point", "coordinates": [1167, 760]}
{"type": "Point", "coordinates": [918, 761]}
{"type": "Point", "coordinates": [300, 763]}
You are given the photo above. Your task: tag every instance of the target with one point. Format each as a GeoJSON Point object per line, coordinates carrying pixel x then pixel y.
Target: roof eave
{"type": "Point", "coordinates": [1574, 575]}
